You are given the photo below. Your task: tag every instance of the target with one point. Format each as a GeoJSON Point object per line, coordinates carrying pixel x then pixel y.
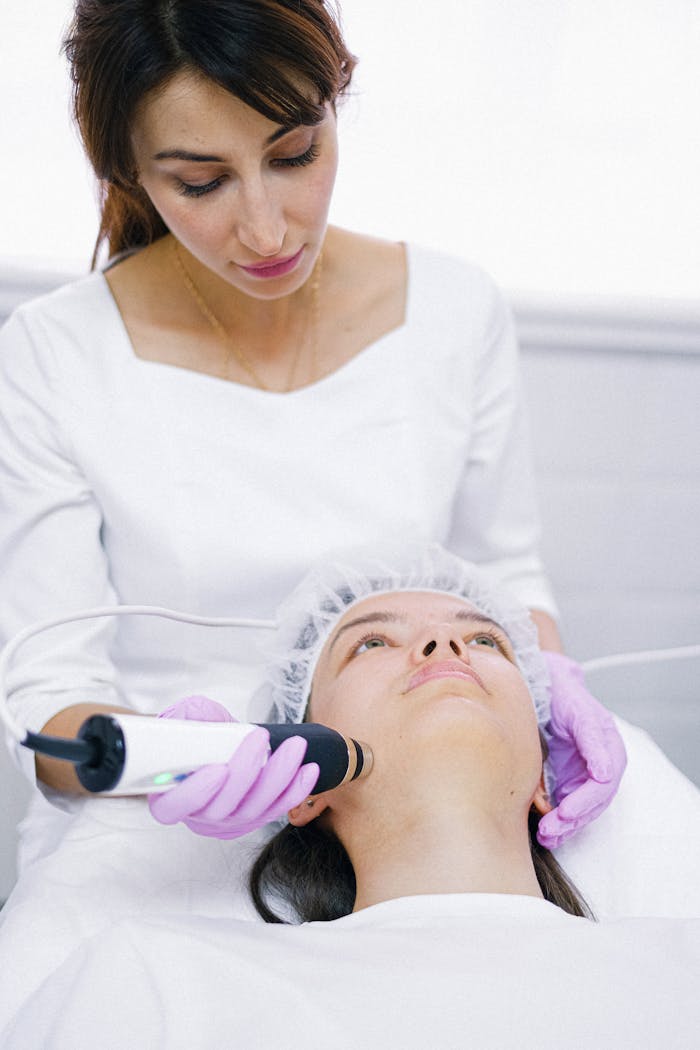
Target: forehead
{"type": "Point", "coordinates": [188, 101]}
{"type": "Point", "coordinates": [415, 607]}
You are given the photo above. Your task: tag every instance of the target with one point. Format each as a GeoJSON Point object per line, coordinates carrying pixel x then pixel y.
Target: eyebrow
{"type": "Point", "coordinates": [477, 617]}
{"type": "Point", "coordinates": [375, 617]}
{"type": "Point", "coordinates": [470, 615]}
{"type": "Point", "coordinates": [209, 158]}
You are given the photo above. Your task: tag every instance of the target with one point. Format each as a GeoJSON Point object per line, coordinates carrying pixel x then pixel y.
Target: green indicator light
{"type": "Point", "coordinates": [162, 778]}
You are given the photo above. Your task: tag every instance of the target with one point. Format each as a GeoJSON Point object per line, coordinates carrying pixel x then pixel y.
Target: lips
{"type": "Point", "coordinates": [444, 669]}
{"type": "Point", "coordinates": [274, 267]}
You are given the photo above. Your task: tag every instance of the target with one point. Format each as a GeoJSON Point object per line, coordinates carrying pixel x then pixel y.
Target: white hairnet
{"type": "Point", "coordinates": [307, 617]}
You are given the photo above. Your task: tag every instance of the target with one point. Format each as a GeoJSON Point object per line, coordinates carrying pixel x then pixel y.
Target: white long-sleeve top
{"type": "Point", "coordinates": [127, 480]}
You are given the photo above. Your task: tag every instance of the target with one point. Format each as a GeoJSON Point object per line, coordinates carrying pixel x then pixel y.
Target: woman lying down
{"type": "Point", "coordinates": [413, 908]}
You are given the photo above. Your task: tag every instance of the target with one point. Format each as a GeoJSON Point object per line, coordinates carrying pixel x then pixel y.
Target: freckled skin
{"type": "Point", "coordinates": [259, 205]}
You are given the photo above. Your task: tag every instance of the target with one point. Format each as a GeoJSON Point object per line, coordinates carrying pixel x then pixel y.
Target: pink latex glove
{"type": "Point", "coordinates": [227, 800]}
{"type": "Point", "coordinates": [586, 753]}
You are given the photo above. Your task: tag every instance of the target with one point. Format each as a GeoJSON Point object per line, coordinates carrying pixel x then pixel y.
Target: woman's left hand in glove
{"type": "Point", "coordinates": [586, 753]}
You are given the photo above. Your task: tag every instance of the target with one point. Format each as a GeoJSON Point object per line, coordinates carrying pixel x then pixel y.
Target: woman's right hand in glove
{"type": "Point", "coordinates": [227, 800]}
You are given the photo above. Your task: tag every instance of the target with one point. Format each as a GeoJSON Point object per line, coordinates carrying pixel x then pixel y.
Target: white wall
{"type": "Point", "coordinates": [549, 139]}
{"type": "Point", "coordinates": [47, 203]}
{"type": "Point", "coordinates": [552, 140]}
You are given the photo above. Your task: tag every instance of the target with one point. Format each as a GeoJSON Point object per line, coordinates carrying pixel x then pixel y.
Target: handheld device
{"type": "Point", "coordinates": [118, 754]}
{"type": "Point", "coordinates": [138, 755]}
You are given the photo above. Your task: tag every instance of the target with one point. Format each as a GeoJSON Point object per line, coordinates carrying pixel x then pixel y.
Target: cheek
{"type": "Point", "coordinates": [168, 203]}
{"type": "Point", "coordinates": [197, 224]}
{"type": "Point", "coordinates": [504, 675]}
{"type": "Point", "coordinates": [314, 197]}
{"type": "Point", "coordinates": [347, 715]}
{"type": "Point", "coordinates": [506, 682]}
{"type": "Point", "coordinates": [202, 231]}
{"type": "Point", "coordinates": [327, 174]}
{"type": "Point", "coordinates": [353, 705]}
{"type": "Point", "coordinates": [520, 714]}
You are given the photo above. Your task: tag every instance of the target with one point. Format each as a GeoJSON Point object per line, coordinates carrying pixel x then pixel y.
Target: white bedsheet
{"type": "Point", "coordinates": [116, 872]}
{"type": "Point", "coordinates": [447, 972]}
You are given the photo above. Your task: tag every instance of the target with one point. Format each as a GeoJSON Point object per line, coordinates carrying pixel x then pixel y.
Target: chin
{"type": "Point", "coordinates": [270, 289]}
{"type": "Point", "coordinates": [459, 717]}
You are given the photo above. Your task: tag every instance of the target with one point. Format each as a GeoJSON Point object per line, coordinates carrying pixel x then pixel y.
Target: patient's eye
{"type": "Point", "coordinates": [492, 641]}
{"type": "Point", "coordinates": [370, 641]}
{"type": "Point", "coordinates": [484, 639]}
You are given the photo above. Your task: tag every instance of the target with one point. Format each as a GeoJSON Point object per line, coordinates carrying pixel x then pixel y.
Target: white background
{"type": "Point", "coordinates": [554, 141]}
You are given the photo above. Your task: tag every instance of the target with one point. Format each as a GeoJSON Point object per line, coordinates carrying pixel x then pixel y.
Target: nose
{"type": "Point", "coordinates": [260, 225]}
{"type": "Point", "coordinates": [439, 641]}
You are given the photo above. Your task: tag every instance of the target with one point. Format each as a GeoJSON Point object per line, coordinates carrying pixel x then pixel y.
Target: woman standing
{"type": "Point", "coordinates": [246, 388]}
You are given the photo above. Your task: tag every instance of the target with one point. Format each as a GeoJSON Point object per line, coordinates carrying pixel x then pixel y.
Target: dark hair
{"type": "Point", "coordinates": [284, 58]}
{"type": "Point", "coordinates": [308, 871]}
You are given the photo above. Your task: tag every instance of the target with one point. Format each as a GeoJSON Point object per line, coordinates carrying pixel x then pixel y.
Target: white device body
{"type": "Point", "coordinates": [161, 751]}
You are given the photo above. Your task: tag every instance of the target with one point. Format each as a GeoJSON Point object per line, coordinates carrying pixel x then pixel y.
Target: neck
{"type": "Point", "coordinates": [435, 849]}
{"type": "Point", "coordinates": [257, 333]}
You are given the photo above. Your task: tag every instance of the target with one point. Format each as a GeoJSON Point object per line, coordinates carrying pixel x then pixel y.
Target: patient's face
{"type": "Point", "coordinates": [420, 666]}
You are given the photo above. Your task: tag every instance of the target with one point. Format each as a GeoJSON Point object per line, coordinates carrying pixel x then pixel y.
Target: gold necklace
{"type": "Point", "coordinates": [218, 327]}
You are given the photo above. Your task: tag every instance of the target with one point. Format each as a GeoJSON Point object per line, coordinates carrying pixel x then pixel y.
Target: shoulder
{"type": "Point", "coordinates": [364, 268]}
{"type": "Point", "coordinates": [456, 304]}
{"type": "Point", "coordinates": [73, 304]}
{"type": "Point", "coordinates": [453, 279]}
{"type": "Point", "coordinates": [59, 334]}
{"type": "Point", "coordinates": [357, 251]}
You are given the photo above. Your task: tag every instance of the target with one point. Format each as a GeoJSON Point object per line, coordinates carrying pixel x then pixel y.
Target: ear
{"type": "Point", "coordinates": [540, 799]}
{"type": "Point", "coordinates": [308, 810]}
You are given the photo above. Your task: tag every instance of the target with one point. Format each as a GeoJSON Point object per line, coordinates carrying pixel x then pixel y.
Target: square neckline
{"type": "Point", "coordinates": [341, 370]}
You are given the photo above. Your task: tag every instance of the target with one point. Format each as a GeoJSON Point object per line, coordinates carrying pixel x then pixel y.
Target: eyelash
{"type": "Point", "coordinates": [368, 638]}
{"type": "Point", "coordinates": [308, 157]}
{"type": "Point", "coordinates": [188, 190]}
{"type": "Point", "coordinates": [488, 633]}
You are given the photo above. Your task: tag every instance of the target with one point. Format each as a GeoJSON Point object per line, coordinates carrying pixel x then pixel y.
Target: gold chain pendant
{"type": "Point", "coordinates": [224, 336]}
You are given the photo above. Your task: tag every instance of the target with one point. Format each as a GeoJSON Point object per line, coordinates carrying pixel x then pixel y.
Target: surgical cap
{"type": "Point", "coordinates": [308, 616]}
